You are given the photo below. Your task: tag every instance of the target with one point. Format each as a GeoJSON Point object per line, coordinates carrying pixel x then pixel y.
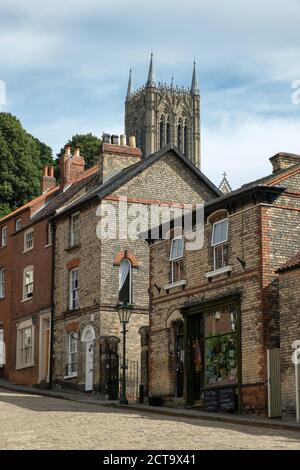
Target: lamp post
{"type": "Point", "coordinates": [124, 312]}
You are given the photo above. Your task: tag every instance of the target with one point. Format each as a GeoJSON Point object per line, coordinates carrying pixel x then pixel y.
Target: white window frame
{"type": "Point", "coordinates": [74, 229]}
{"type": "Point", "coordinates": [2, 282]}
{"type": "Point", "coordinates": [219, 244]}
{"type": "Point", "coordinates": [26, 240]}
{"type": "Point", "coordinates": [4, 236]}
{"type": "Point", "coordinates": [20, 354]}
{"type": "Point", "coordinates": [71, 353]}
{"type": "Point", "coordinates": [74, 291]}
{"type": "Point", "coordinates": [27, 297]}
{"type": "Point", "coordinates": [18, 224]}
{"type": "Point", "coordinates": [2, 348]}
{"type": "Point", "coordinates": [174, 260]}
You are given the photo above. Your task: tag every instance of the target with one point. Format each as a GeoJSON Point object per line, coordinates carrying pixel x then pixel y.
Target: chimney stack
{"type": "Point", "coordinates": [283, 160]}
{"type": "Point", "coordinates": [48, 180]}
{"type": "Point", "coordinates": [71, 167]}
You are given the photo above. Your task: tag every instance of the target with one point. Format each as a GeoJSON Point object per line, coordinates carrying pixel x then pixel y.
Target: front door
{"type": "Point", "coordinates": [89, 364]}
{"type": "Point", "coordinates": [179, 366]}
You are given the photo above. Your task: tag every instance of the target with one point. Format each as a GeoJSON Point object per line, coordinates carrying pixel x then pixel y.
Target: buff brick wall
{"type": "Point", "coordinates": [166, 180]}
{"type": "Point", "coordinates": [289, 288]}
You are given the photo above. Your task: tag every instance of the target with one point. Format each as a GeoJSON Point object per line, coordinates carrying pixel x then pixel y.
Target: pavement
{"type": "Point", "coordinates": [180, 412]}
{"type": "Point", "coordinates": [42, 422]}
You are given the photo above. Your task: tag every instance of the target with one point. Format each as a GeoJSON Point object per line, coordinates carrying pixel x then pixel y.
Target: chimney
{"type": "Point", "coordinates": [114, 157]}
{"type": "Point", "coordinates": [282, 161]}
{"type": "Point", "coordinates": [71, 167]}
{"type": "Point", "coordinates": [47, 181]}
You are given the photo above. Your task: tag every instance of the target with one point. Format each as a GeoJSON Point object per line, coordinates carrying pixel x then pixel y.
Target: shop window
{"type": "Point", "coordinates": [176, 259]}
{"type": "Point", "coordinates": [220, 244]}
{"type": "Point", "coordinates": [220, 348]}
{"type": "Point", "coordinates": [125, 282]}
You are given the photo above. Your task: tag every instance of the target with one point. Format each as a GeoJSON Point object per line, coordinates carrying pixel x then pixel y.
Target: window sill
{"type": "Point", "coordinates": [29, 249]}
{"type": "Point", "coordinates": [48, 244]}
{"type": "Point", "coordinates": [26, 300]}
{"type": "Point", "coordinates": [217, 272]}
{"type": "Point", "coordinates": [175, 284]}
{"type": "Point", "coordinates": [2, 298]}
{"type": "Point", "coordinates": [70, 376]}
{"type": "Point", "coordinates": [25, 366]}
{"type": "Point", "coordinates": [72, 247]}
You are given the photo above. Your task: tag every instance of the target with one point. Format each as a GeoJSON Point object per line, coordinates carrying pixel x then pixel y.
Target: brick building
{"type": "Point", "coordinates": [94, 273]}
{"type": "Point", "coordinates": [26, 273]}
{"type": "Point", "coordinates": [214, 312]}
{"type": "Point", "coordinates": [289, 301]}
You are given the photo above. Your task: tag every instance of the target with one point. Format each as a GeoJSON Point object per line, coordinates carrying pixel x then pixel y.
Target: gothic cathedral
{"type": "Point", "coordinates": [159, 115]}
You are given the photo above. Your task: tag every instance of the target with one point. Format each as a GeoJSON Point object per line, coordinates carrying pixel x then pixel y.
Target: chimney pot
{"type": "Point", "coordinates": [51, 171]}
{"type": "Point", "coordinates": [77, 151]}
{"type": "Point", "coordinates": [106, 138]}
{"type": "Point", "coordinates": [115, 139]}
{"type": "Point", "coordinates": [123, 139]}
{"type": "Point", "coordinates": [132, 142]}
{"type": "Point", "coordinates": [45, 170]}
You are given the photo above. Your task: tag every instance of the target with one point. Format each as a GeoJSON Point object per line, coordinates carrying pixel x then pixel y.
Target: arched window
{"type": "Point", "coordinates": [125, 282]}
{"type": "Point", "coordinates": [185, 138]}
{"type": "Point", "coordinates": [168, 137]}
{"type": "Point", "coordinates": [179, 135]}
{"type": "Point", "coordinates": [161, 132]}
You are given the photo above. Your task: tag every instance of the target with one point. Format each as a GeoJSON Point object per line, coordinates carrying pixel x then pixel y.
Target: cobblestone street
{"type": "Point", "coordinates": [35, 422]}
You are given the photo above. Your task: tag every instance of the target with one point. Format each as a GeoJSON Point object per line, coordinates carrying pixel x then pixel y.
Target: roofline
{"type": "Point", "coordinates": [222, 201]}
{"type": "Point", "coordinates": [113, 183]}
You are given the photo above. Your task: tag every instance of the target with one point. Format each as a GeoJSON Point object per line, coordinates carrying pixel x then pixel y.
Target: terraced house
{"type": "Point", "coordinates": [214, 338]}
{"type": "Point", "coordinates": [94, 273]}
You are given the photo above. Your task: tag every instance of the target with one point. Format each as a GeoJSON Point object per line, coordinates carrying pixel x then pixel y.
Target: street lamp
{"type": "Point", "coordinates": [124, 312]}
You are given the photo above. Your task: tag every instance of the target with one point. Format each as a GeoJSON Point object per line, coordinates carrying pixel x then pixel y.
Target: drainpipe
{"type": "Point", "coordinates": [52, 304]}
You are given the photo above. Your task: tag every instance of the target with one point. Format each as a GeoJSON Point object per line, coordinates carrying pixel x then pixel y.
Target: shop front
{"type": "Point", "coordinates": [213, 355]}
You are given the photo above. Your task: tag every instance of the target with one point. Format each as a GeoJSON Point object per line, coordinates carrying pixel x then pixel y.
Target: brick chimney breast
{"type": "Point", "coordinates": [71, 167]}
{"type": "Point", "coordinates": [48, 180]}
{"type": "Point", "coordinates": [283, 160]}
{"type": "Point", "coordinates": [114, 158]}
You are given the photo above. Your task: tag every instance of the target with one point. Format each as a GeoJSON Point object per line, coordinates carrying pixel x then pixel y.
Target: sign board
{"type": "Point", "coordinates": [211, 400]}
{"type": "Point", "coordinates": [227, 399]}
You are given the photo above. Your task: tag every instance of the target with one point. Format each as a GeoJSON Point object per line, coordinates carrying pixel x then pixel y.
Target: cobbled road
{"type": "Point", "coordinates": [38, 422]}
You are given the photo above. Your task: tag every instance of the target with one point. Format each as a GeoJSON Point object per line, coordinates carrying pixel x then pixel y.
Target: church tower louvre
{"type": "Point", "coordinates": [158, 114]}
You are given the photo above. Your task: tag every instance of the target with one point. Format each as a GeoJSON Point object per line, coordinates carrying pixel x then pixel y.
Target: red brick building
{"type": "Point", "coordinates": [26, 267]}
{"type": "Point", "coordinates": [214, 312]}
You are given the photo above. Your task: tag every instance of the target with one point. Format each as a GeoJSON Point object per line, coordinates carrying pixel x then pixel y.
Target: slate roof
{"type": "Point", "coordinates": [121, 178]}
{"type": "Point", "coordinates": [292, 263]}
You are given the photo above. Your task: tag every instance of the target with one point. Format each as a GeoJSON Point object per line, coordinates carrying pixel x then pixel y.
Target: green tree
{"type": "Point", "coordinates": [89, 147]}
{"type": "Point", "coordinates": [21, 160]}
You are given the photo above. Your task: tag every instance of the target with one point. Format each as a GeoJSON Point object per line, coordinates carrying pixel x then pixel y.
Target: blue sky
{"type": "Point", "coordinates": [65, 65]}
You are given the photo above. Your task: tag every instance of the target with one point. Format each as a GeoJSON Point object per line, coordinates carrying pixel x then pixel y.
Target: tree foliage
{"type": "Point", "coordinates": [89, 147]}
{"type": "Point", "coordinates": [21, 160]}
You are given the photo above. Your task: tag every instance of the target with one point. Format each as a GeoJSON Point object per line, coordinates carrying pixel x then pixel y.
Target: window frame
{"type": "Point", "coordinates": [3, 236]}
{"type": "Point", "coordinates": [176, 262]}
{"type": "Point", "coordinates": [28, 231]}
{"type": "Point", "coordinates": [20, 363]}
{"type": "Point", "coordinates": [49, 240]}
{"type": "Point", "coordinates": [72, 240]}
{"type": "Point", "coordinates": [73, 301]}
{"type": "Point", "coordinates": [220, 245]}
{"type": "Point", "coordinates": [126, 260]}
{"type": "Point", "coordinates": [18, 222]}
{"type": "Point", "coordinates": [213, 232]}
{"type": "Point", "coordinates": [25, 271]}
{"type": "Point", "coordinates": [2, 282]}
{"type": "Point", "coordinates": [74, 341]}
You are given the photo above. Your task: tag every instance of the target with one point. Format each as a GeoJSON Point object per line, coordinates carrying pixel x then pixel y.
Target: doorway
{"type": "Point", "coordinates": [44, 348]}
{"type": "Point", "coordinates": [88, 337]}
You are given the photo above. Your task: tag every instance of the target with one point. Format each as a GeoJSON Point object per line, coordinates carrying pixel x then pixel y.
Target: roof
{"type": "Point", "coordinates": [30, 204]}
{"type": "Point", "coordinates": [121, 178]}
{"type": "Point", "coordinates": [292, 263]}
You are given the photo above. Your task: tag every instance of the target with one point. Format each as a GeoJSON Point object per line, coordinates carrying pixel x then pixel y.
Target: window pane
{"type": "Point", "coordinates": [220, 232]}
{"type": "Point", "coordinates": [177, 248]}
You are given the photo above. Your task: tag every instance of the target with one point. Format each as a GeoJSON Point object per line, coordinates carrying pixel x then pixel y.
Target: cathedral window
{"type": "Point", "coordinates": [161, 133]}
{"type": "Point", "coordinates": [179, 135]}
{"type": "Point", "coordinates": [185, 138]}
{"type": "Point", "coordinates": [168, 133]}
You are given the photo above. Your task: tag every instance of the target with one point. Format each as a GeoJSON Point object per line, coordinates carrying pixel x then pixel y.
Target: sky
{"type": "Point", "coordinates": [65, 68]}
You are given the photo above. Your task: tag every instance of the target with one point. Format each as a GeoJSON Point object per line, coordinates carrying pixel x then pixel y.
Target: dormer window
{"type": "Point", "coordinates": [176, 259]}
{"type": "Point", "coordinates": [220, 243]}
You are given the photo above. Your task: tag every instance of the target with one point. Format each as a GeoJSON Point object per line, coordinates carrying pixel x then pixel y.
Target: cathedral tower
{"type": "Point", "coordinates": [158, 115]}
